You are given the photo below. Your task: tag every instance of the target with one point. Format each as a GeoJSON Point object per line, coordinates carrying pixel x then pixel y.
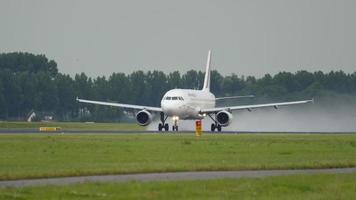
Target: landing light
{"type": "Point", "coordinates": [175, 118]}
{"type": "Point", "coordinates": [202, 115]}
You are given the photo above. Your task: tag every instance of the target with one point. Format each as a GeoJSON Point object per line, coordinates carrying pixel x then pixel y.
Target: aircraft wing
{"type": "Point", "coordinates": [250, 107]}
{"type": "Point", "coordinates": [234, 97]}
{"type": "Point", "coordinates": [121, 105]}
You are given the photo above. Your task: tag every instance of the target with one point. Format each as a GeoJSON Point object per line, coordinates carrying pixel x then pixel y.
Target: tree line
{"type": "Point", "coordinates": [31, 82]}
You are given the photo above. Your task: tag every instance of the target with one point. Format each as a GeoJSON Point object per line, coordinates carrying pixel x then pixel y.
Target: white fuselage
{"type": "Point", "coordinates": [186, 103]}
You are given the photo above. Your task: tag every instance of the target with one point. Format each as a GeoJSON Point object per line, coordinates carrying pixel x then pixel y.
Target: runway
{"type": "Point", "coordinates": [68, 131]}
{"type": "Point", "coordinates": [171, 176]}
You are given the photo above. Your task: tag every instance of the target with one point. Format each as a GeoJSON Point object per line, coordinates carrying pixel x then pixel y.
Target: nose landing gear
{"type": "Point", "coordinates": [175, 128]}
{"type": "Point", "coordinates": [175, 125]}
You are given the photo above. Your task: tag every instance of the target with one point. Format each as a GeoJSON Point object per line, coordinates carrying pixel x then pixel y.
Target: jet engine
{"type": "Point", "coordinates": [144, 118]}
{"type": "Point", "coordinates": [224, 118]}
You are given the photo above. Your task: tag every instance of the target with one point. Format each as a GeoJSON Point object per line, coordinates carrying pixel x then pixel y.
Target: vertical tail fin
{"type": "Point", "coordinates": [206, 86]}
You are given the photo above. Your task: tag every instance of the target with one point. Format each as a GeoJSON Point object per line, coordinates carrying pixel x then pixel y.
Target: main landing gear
{"type": "Point", "coordinates": [215, 125]}
{"type": "Point", "coordinates": [163, 124]}
{"type": "Point", "coordinates": [163, 127]}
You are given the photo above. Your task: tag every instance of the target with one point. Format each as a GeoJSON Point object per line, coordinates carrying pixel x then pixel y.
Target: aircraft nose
{"type": "Point", "coordinates": [169, 108]}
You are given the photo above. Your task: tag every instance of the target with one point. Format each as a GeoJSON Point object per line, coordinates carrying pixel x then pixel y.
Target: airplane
{"type": "Point", "coordinates": [189, 104]}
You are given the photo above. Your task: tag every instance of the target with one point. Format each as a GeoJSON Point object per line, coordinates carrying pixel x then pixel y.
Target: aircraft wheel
{"type": "Point", "coordinates": [212, 127]}
{"type": "Point", "coordinates": [160, 127]}
{"type": "Point", "coordinates": [166, 127]}
{"type": "Point", "coordinates": [219, 127]}
{"type": "Point", "coordinates": [175, 128]}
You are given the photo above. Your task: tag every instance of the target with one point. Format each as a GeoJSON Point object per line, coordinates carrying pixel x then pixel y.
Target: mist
{"type": "Point", "coordinates": [325, 116]}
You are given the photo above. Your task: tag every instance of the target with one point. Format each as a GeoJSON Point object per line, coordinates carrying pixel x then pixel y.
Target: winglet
{"type": "Point", "coordinates": [206, 86]}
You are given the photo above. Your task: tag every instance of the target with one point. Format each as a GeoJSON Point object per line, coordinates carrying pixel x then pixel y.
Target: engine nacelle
{"type": "Point", "coordinates": [224, 118]}
{"type": "Point", "coordinates": [144, 118]}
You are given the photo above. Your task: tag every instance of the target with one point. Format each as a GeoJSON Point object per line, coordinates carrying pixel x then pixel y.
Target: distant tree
{"type": "Point", "coordinates": [285, 80]}
{"type": "Point", "coordinates": [303, 80]}
{"type": "Point", "coordinates": [120, 88]}
{"type": "Point", "coordinates": [262, 83]}
{"type": "Point", "coordinates": [191, 80]}
{"type": "Point", "coordinates": [138, 88]}
{"type": "Point", "coordinates": [83, 86]}
{"type": "Point", "coordinates": [32, 82]}
{"type": "Point", "coordinates": [46, 98]}
{"type": "Point", "coordinates": [26, 62]}
{"type": "Point", "coordinates": [29, 91]}
{"type": "Point", "coordinates": [232, 85]}
{"type": "Point", "coordinates": [66, 95]}
{"type": "Point", "coordinates": [337, 81]}
{"type": "Point", "coordinates": [216, 83]}
{"type": "Point", "coordinates": [2, 102]}
{"type": "Point", "coordinates": [158, 85]}
{"type": "Point", "coordinates": [105, 114]}
{"type": "Point", "coordinates": [12, 94]}
{"type": "Point", "coordinates": [174, 80]}
{"type": "Point", "coordinates": [250, 85]}
{"type": "Point", "coordinates": [102, 89]}
{"type": "Point", "coordinates": [353, 82]}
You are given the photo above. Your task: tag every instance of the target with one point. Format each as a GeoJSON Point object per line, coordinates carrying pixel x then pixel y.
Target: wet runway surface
{"type": "Point", "coordinates": [171, 176]}
{"type": "Point", "coordinates": [29, 131]}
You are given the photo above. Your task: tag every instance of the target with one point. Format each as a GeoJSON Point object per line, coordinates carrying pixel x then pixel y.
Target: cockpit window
{"type": "Point", "coordinates": [174, 98]}
{"type": "Point", "coordinates": [168, 98]}
{"type": "Point", "coordinates": [181, 98]}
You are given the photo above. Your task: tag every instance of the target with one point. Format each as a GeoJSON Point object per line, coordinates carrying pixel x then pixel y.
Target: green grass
{"type": "Point", "coordinates": [71, 125]}
{"type": "Point", "coordinates": [334, 186]}
{"type": "Point", "coordinates": [49, 155]}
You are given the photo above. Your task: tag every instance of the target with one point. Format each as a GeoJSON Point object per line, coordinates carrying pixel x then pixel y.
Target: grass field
{"type": "Point", "coordinates": [52, 155]}
{"type": "Point", "coordinates": [72, 125]}
{"type": "Point", "coordinates": [341, 186]}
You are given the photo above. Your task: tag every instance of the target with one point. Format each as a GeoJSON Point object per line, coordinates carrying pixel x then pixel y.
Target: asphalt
{"type": "Point", "coordinates": [31, 131]}
{"type": "Point", "coordinates": [171, 176]}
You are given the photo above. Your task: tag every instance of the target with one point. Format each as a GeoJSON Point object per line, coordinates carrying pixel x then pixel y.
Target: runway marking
{"type": "Point", "coordinates": [205, 175]}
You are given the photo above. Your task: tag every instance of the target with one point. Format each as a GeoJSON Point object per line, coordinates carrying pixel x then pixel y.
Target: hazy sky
{"type": "Point", "coordinates": [250, 37]}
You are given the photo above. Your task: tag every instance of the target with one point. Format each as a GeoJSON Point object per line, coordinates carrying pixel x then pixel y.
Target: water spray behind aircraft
{"type": "Point", "coordinates": [340, 117]}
